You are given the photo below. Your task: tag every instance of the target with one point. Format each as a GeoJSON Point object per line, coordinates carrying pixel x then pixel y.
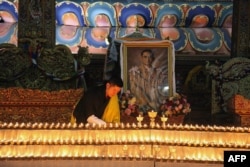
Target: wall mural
{"type": "Point", "coordinates": [203, 28]}
{"type": "Point", "coordinates": [8, 22]}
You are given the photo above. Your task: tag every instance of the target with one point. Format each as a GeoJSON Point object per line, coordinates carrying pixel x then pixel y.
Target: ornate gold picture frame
{"type": "Point", "coordinates": [147, 69]}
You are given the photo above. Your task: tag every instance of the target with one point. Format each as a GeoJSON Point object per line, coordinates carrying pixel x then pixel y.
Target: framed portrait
{"type": "Point", "coordinates": [147, 69]}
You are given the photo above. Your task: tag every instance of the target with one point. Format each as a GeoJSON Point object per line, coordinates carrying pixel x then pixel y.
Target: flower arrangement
{"type": "Point", "coordinates": [128, 104]}
{"type": "Point", "coordinates": [175, 105]}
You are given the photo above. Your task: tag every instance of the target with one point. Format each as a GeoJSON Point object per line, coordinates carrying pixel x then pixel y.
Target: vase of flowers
{"type": "Point", "coordinates": [175, 108]}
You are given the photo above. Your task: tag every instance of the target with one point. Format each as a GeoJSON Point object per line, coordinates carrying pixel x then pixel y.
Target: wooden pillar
{"type": "Point", "coordinates": [37, 20]}
{"type": "Point", "coordinates": [241, 29]}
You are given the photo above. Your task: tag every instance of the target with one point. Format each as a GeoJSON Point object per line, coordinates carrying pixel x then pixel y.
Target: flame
{"type": "Point", "coordinates": [175, 142]}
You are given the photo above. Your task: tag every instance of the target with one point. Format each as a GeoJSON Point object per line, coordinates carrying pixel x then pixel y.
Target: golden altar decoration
{"type": "Point", "coordinates": [33, 105]}
{"type": "Point", "coordinates": [173, 120]}
{"type": "Point", "coordinates": [137, 141]}
{"type": "Point", "coordinates": [120, 141]}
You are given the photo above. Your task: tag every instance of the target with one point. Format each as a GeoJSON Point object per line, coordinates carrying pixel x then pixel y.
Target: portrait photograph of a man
{"type": "Point", "coordinates": [148, 72]}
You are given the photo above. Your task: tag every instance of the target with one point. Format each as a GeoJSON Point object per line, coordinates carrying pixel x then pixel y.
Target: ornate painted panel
{"type": "Point", "coordinates": [36, 20]}
{"type": "Point", "coordinates": [241, 26]}
{"type": "Point", "coordinates": [203, 28]}
{"type": "Point", "coordinates": [8, 22]}
{"type": "Point", "coordinates": [195, 27]}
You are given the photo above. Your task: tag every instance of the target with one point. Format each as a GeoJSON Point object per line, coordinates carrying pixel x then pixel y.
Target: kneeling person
{"type": "Point", "coordinates": [100, 104]}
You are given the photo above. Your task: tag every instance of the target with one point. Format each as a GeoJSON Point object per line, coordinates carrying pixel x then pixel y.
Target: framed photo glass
{"type": "Point", "coordinates": [147, 69]}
